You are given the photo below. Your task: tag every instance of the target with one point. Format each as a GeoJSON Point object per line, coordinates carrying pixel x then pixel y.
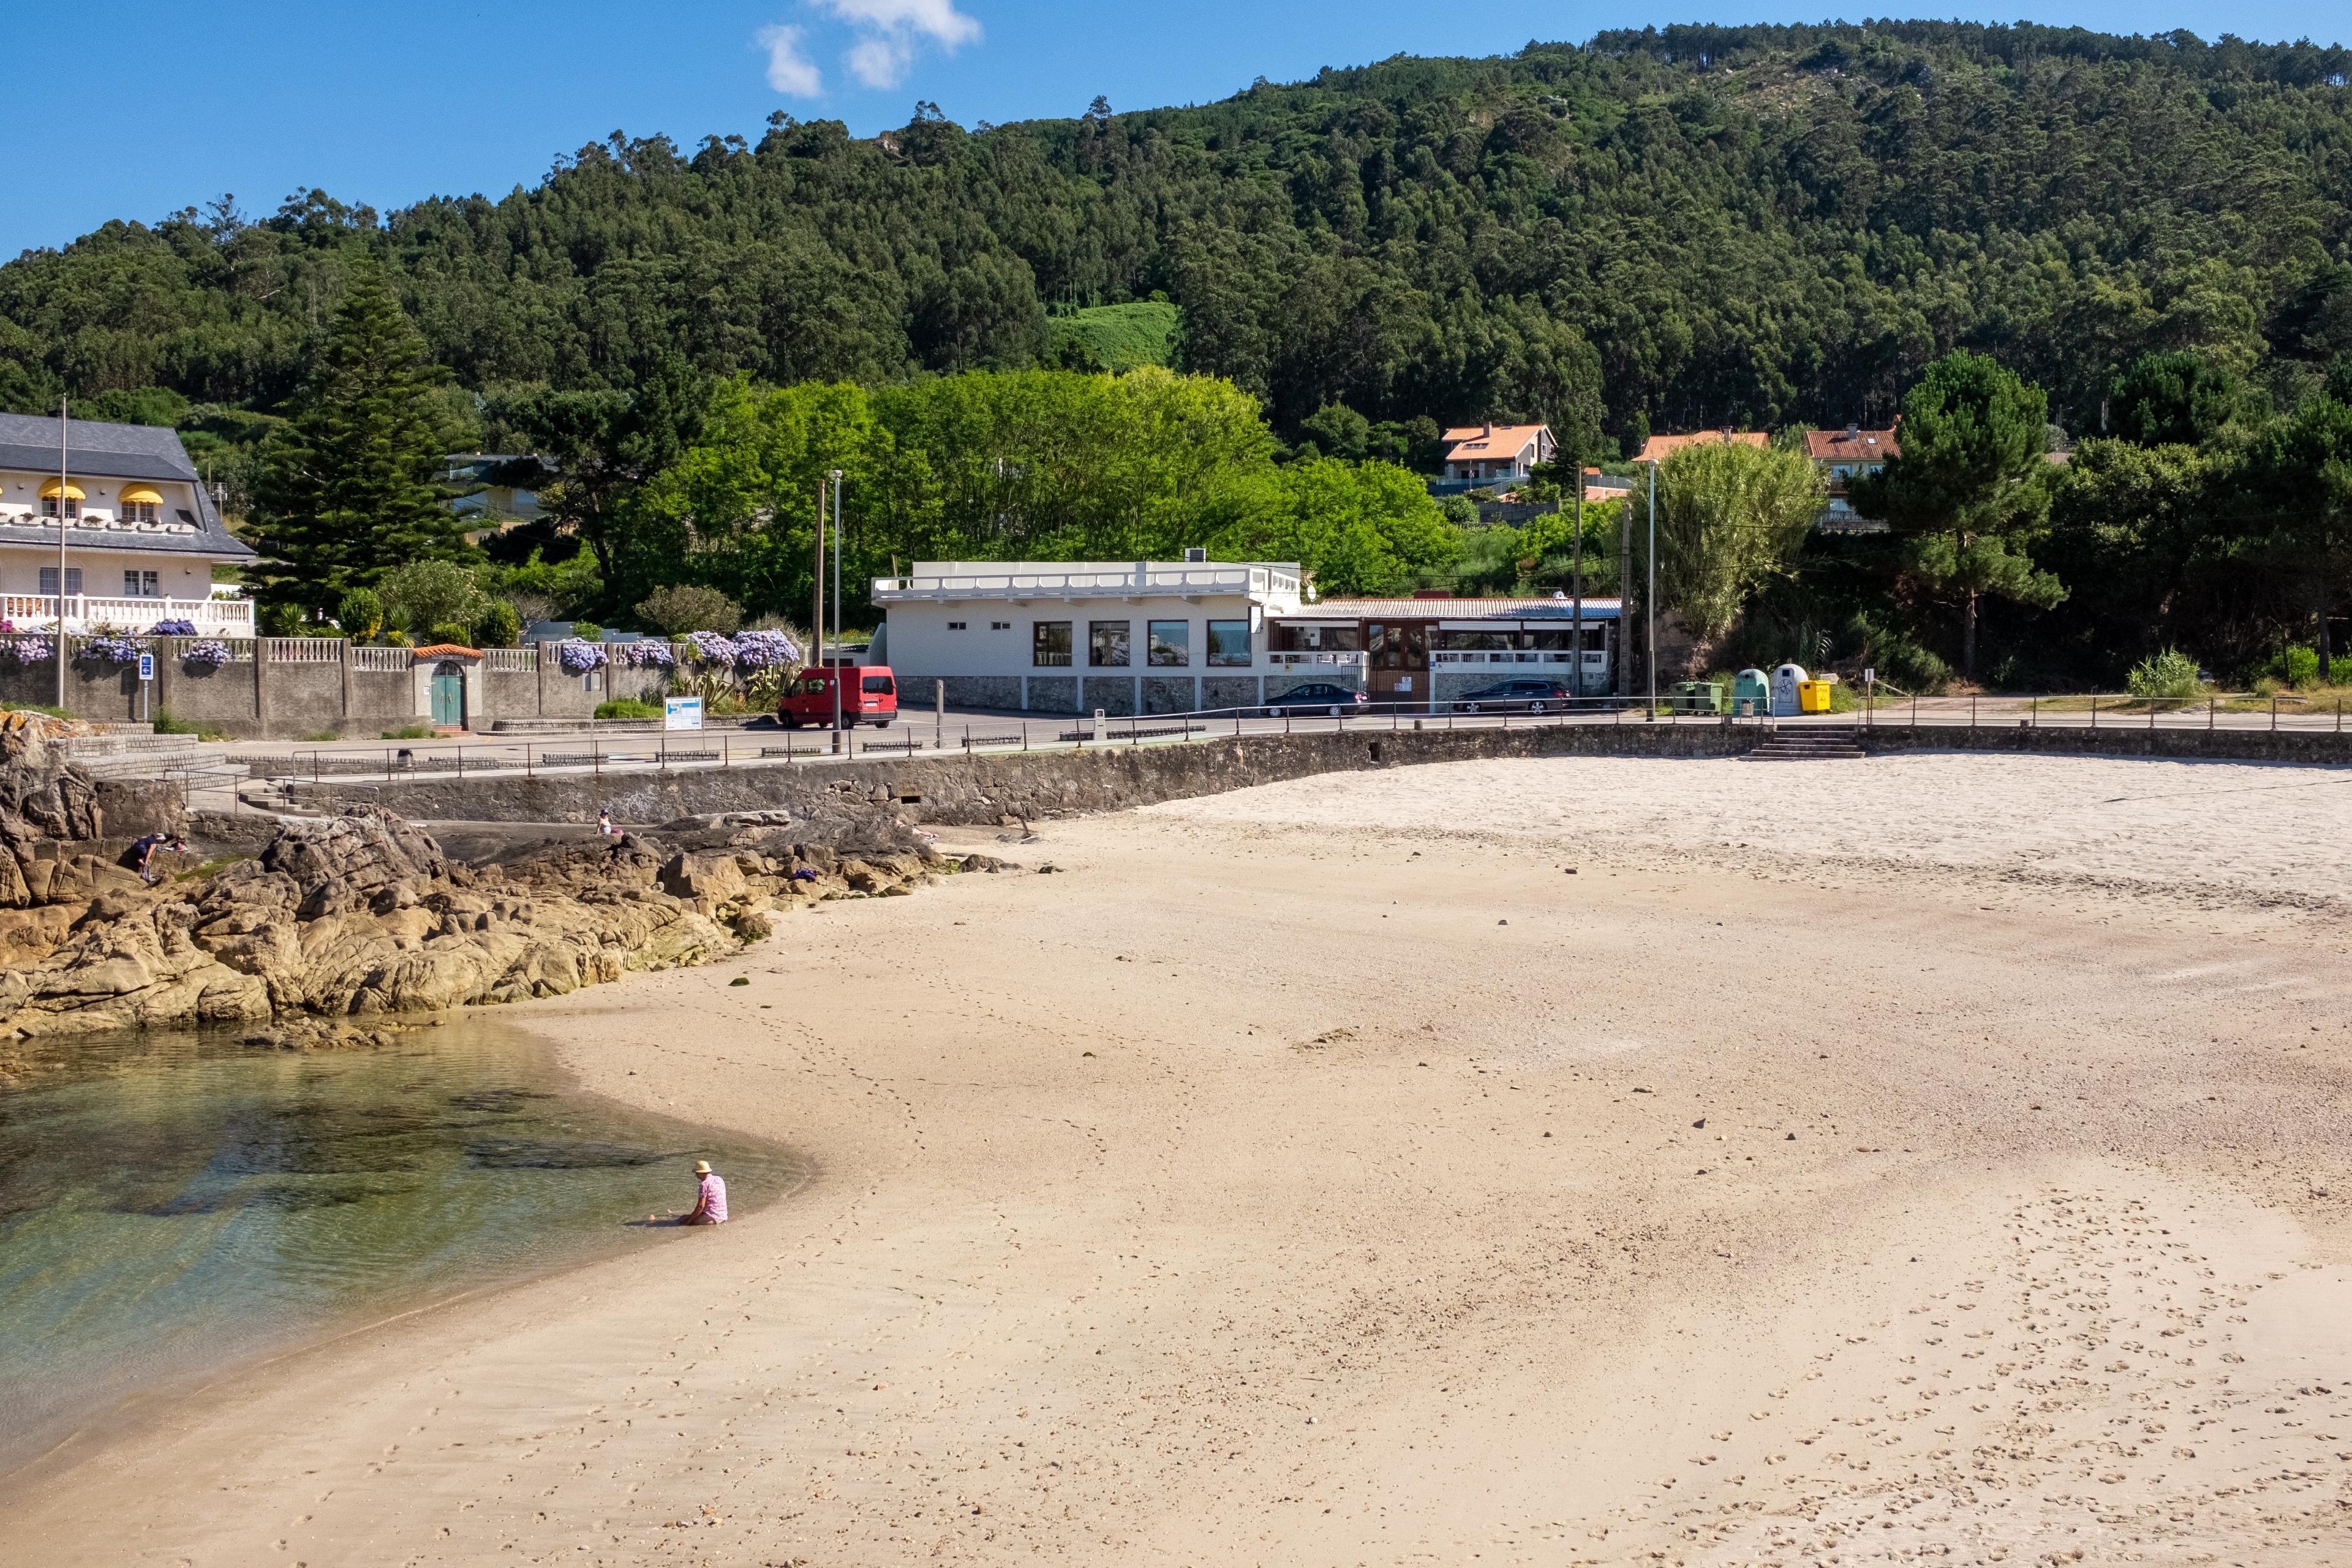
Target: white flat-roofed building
{"type": "Point", "coordinates": [1070, 636]}
{"type": "Point", "coordinates": [140, 534]}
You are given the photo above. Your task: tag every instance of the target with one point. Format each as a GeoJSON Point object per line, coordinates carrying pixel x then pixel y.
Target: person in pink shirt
{"type": "Point", "coordinates": [709, 1199]}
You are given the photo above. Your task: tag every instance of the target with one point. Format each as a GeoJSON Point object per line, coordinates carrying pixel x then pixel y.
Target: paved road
{"type": "Point", "coordinates": [593, 750]}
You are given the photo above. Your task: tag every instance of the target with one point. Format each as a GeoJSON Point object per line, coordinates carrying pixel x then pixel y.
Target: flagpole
{"type": "Point", "coordinates": [58, 643]}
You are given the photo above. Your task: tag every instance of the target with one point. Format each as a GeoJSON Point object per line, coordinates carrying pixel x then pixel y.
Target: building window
{"type": "Point", "coordinates": [1229, 644]}
{"type": "Point", "coordinates": [1049, 645]}
{"type": "Point", "coordinates": [49, 580]}
{"type": "Point", "coordinates": [141, 512]}
{"type": "Point", "coordinates": [999, 626]}
{"type": "Point", "coordinates": [1171, 644]}
{"type": "Point", "coordinates": [1106, 644]}
{"type": "Point", "coordinates": [141, 585]}
{"type": "Point", "coordinates": [955, 626]}
{"type": "Point", "coordinates": [50, 508]}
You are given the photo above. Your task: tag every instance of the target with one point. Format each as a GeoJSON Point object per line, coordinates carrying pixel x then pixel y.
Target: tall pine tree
{"type": "Point", "coordinates": [346, 491]}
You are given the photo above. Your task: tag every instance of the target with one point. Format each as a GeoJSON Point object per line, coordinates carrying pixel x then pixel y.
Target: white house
{"type": "Point", "coordinates": [1480, 455]}
{"type": "Point", "coordinates": [140, 534]}
{"type": "Point", "coordinates": [1154, 637]}
{"type": "Point", "coordinates": [1069, 636]}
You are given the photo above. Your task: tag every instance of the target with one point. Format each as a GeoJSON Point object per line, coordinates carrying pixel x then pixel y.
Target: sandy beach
{"type": "Point", "coordinates": [1941, 1158]}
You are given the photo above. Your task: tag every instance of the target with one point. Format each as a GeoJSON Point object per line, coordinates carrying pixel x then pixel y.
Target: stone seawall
{"type": "Point", "coordinates": [985, 789]}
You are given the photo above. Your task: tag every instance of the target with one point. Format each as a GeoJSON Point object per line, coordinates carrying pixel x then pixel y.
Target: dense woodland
{"type": "Point", "coordinates": [1760, 226]}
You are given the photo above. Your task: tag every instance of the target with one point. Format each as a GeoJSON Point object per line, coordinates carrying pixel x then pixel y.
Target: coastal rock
{"type": "Point", "coordinates": [711, 874]}
{"type": "Point", "coordinates": [363, 915]}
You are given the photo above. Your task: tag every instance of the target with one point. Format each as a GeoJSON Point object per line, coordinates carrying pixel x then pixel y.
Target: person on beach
{"type": "Point", "coordinates": [709, 1199]}
{"type": "Point", "coordinates": [605, 822]}
{"type": "Point", "coordinates": [145, 846]}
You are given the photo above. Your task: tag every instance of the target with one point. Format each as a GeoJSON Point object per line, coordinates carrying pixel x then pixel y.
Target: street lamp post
{"type": "Point", "coordinates": [1650, 598]}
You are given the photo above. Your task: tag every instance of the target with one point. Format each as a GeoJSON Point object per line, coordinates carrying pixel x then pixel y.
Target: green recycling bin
{"type": "Point", "coordinates": [1697, 697]}
{"type": "Point", "coordinates": [1751, 694]}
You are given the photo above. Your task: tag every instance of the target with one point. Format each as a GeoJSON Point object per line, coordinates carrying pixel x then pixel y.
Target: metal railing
{"type": "Point", "coordinates": [2284, 710]}
{"type": "Point", "coordinates": [917, 734]}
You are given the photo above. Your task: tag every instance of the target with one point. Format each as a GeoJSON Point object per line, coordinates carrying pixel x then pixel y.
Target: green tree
{"type": "Point", "coordinates": [1971, 490]}
{"type": "Point", "coordinates": [604, 444]}
{"type": "Point", "coordinates": [360, 612]}
{"type": "Point", "coordinates": [1338, 431]}
{"type": "Point", "coordinates": [690, 607]}
{"type": "Point", "coordinates": [1365, 527]}
{"type": "Point", "coordinates": [2144, 522]}
{"type": "Point", "coordinates": [1729, 516]}
{"type": "Point", "coordinates": [498, 625]}
{"type": "Point", "coordinates": [346, 491]}
{"type": "Point", "coordinates": [2176, 398]}
{"type": "Point", "coordinates": [2302, 467]}
{"type": "Point", "coordinates": [430, 593]}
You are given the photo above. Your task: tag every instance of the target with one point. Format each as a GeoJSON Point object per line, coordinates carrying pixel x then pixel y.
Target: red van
{"type": "Point", "coordinates": [868, 696]}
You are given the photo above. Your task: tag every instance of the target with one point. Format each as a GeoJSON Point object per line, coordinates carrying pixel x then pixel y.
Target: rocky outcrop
{"type": "Point", "coordinates": [46, 803]}
{"type": "Point", "coordinates": [363, 914]}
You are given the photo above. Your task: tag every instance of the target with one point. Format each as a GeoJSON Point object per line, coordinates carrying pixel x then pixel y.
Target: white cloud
{"type": "Point", "coordinates": [890, 29]}
{"type": "Point", "coordinates": [789, 70]}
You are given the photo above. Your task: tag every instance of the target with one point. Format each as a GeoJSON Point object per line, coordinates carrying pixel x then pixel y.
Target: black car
{"type": "Point", "coordinates": [1515, 697]}
{"type": "Point", "coordinates": [1339, 699]}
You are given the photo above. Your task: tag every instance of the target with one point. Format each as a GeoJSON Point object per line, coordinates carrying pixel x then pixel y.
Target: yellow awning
{"type": "Point", "coordinates": [73, 492]}
{"type": "Point", "coordinates": [141, 493]}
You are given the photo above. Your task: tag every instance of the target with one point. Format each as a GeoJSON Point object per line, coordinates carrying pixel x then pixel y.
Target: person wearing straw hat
{"type": "Point", "coordinates": [710, 1198]}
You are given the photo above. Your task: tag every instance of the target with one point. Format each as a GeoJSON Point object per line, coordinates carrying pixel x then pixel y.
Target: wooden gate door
{"type": "Point", "coordinates": [448, 696]}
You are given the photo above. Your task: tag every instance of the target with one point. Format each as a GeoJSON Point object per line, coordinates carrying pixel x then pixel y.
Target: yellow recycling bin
{"type": "Point", "coordinates": [1812, 697]}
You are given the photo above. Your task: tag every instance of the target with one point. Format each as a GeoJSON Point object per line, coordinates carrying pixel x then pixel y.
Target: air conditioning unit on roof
{"type": "Point", "coordinates": [1195, 556]}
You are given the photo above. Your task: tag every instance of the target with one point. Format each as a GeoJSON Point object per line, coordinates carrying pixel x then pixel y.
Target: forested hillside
{"type": "Point", "coordinates": [1758, 226]}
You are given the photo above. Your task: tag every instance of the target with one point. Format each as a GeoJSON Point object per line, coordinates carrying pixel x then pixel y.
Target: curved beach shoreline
{"type": "Point", "coordinates": [1253, 1193]}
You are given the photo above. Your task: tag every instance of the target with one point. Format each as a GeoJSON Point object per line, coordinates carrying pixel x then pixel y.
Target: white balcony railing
{"type": "Point", "coordinates": [1593, 659]}
{"type": "Point", "coordinates": [211, 617]}
{"type": "Point", "coordinates": [1306, 657]}
{"type": "Point", "coordinates": [1085, 580]}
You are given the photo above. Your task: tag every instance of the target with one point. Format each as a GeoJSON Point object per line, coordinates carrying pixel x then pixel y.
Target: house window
{"type": "Point", "coordinates": [141, 511]}
{"type": "Point", "coordinates": [49, 580]}
{"type": "Point", "coordinates": [955, 626]}
{"type": "Point", "coordinates": [1049, 645]}
{"type": "Point", "coordinates": [1106, 644]}
{"type": "Point", "coordinates": [1229, 644]}
{"type": "Point", "coordinates": [999, 626]}
{"type": "Point", "coordinates": [141, 585]}
{"type": "Point", "coordinates": [50, 508]}
{"type": "Point", "coordinates": [1171, 644]}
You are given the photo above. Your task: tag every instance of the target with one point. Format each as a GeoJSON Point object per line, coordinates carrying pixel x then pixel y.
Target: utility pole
{"type": "Point", "coordinates": [1624, 660]}
{"type": "Point", "coordinates": [65, 486]}
{"type": "Point", "coordinates": [1650, 595]}
{"type": "Point", "coordinates": [816, 603]}
{"type": "Point", "coordinates": [836, 608]}
{"type": "Point", "coordinates": [1576, 578]}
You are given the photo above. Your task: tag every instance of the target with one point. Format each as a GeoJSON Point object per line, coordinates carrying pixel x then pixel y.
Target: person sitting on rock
{"type": "Point", "coordinates": [709, 1200]}
{"type": "Point", "coordinates": [144, 847]}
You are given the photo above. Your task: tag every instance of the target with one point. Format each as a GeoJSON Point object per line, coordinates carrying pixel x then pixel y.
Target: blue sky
{"type": "Point", "coordinates": [174, 102]}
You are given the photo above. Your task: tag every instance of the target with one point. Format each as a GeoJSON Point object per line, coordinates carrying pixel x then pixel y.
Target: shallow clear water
{"type": "Point", "coordinates": [171, 1204]}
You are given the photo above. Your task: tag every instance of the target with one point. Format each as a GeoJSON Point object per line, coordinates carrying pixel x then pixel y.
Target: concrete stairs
{"type": "Point", "coordinates": [1810, 743]}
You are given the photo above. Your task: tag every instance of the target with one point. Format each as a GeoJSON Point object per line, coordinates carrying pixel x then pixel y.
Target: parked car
{"type": "Point", "coordinates": [1516, 697]}
{"type": "Point", "coordinates": [869, 695]}
{"type": "Point", "coordinates": [1318, 694]}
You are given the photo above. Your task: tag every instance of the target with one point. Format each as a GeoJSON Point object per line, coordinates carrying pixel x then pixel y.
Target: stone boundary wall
{"type": "Point", "coordinates": [985, 789]}
{"type": "Point", "coordinates": [2218, 746]}
{"type": "Point", "coordinates": [260, 698]}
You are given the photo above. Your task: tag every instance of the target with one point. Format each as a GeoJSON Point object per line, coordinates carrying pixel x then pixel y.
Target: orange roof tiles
{"type": "Point", "coordinates": [1470, 442]}
{"type": "Point", "coordinates": [1658, 449]}
{"type": "Point", "coordinates": [1851, 445]}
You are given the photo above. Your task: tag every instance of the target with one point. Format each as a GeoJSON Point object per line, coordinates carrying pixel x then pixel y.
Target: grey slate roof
{"type": "Point", "coordinates": [113, 452]}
